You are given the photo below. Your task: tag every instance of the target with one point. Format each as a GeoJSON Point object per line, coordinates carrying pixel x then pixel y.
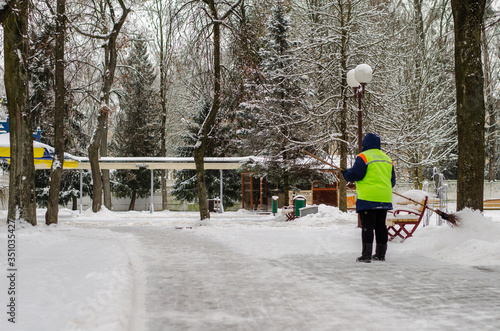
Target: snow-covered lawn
{"type": "Point", "coordinates": [86, 274]}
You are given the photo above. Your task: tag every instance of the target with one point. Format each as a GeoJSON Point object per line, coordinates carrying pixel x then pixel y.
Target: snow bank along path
{"type": "Point", "coordinates": [71, 278]}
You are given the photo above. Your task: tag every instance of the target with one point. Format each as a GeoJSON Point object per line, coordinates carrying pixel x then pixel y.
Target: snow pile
{"type": "Point", "coordinates": [475, 242]}
{"type": "Point", "coordinates": [328, 216]}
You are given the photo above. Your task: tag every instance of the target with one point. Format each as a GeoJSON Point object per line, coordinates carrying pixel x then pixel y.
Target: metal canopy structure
{"type": "Point", "coordinates": [44, 155]}
{"type": "Point", "coordinates": [161, 163]}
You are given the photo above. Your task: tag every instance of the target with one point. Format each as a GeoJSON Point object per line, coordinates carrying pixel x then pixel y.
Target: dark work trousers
{"type": "Point", "coordinates": [374, 220]}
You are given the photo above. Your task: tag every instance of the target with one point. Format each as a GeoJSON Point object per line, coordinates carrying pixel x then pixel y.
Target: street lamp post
{"type": "Point", "coordinates": [357, 79]}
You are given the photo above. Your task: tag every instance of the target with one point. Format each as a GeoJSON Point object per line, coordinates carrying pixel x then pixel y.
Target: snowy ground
{"type": "Point", "coordinates": [243, 271]}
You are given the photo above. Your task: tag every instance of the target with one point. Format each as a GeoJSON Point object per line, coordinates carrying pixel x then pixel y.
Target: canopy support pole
{"type": "Point", "coordinates": [221, 208]}
{"type": "Point", "coordinates": [81, 191]}
{"type": "Point", "coordinates": [151, 206]}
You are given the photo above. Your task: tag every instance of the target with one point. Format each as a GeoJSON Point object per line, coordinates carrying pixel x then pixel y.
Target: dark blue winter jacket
{"type": "Point", "coordinates": [358, 172]}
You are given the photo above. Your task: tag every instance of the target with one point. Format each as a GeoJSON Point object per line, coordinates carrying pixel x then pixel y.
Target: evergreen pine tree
{"type": "Point", "coordinates": [279, 107]}
{"type": "Point", "coordinates": [138, 124]}
{"type": "Point", "coordinates": [41, 69]}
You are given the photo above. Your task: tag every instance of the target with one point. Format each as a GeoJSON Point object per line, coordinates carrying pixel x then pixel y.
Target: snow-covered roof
{"type": "Point", "coordinates": [172, 163]}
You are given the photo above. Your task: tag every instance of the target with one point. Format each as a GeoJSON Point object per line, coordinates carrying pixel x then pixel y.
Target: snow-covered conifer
{"type": "Point", "coordinates": [137, 129]}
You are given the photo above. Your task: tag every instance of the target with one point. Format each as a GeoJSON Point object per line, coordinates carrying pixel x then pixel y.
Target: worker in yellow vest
{"type": "Point", "coordinates": [373, 172]}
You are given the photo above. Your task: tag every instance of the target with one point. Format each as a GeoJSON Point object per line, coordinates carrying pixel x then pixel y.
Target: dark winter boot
{"type": "Point", "coordinates": [366, 254]}
{"type": "Point", "coordinates": [380, 252]}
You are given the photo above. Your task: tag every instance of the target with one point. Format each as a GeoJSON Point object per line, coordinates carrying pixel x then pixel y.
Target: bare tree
{"type": "Point", "coordinates": [468, 16]}
{"type": "Point", "coordinates": [162, 17]}
{"type": "Point", "coordinates": [51, 216]}
{"type": "Point", "coordinates": [217, 12]}
{"type": "Point", "coordinates": [99, 139]}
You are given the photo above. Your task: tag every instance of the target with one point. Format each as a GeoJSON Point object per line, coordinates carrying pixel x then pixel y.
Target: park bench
{"type": "Point", "coordinates": [491, 204]}
{"type": "Point", "coordinates": [289, 212]}
{"type": "Point", "coordinates": [404, 218]}
{"type": "Point", "coordinates": [433, 201]}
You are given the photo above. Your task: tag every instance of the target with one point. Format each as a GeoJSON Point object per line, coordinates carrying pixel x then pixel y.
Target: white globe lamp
{"type": "Point", "coordinates": [351, 79]}
{"type": "Point", "coordinates": [363, 73]}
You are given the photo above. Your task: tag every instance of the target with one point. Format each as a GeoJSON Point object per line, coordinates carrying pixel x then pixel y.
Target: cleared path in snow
{"type": "Point", "coordinates": [197, 283]}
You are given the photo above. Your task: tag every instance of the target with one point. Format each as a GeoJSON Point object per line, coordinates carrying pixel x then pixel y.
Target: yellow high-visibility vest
{"type": "Point", "coordinates": [376, 185]}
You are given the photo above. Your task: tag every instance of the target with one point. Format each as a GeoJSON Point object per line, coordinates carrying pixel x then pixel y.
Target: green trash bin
{"type": "Point", "coordinates": [299, 202]}
{"type": "Point", "coordinates": [274, 206]}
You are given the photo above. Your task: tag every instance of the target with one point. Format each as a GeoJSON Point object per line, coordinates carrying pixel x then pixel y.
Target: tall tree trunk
{"type": "Point", "coordinates": [22, 202]}
{"type": "Point", "coordinates": [131, 206]}
{"type": "Point", "coordinates": [51, 216]}
{"type": "Point", "coordinates": [109, 51]}
{"type": "Point", "coordinates": [199, 150]}
{"type": "Point", "coordinates": [468, 18]}
{"type": "Point", "coordinates": [163, 138]}
{"type": "Point", "coordinates": [99, 139]}
{"type": "Point", "coordinates": [201, 145]}
{"type": "Point", "coordinates": [94, 161]}
{"type": "Point", "coordinates": [417, 104]}
{"type": "Point", "coordinates": [106, 179]}
{"type": "Point", "coordinates": [345, 20]}
{"type": "Point", "coordinates": [199, 154]}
